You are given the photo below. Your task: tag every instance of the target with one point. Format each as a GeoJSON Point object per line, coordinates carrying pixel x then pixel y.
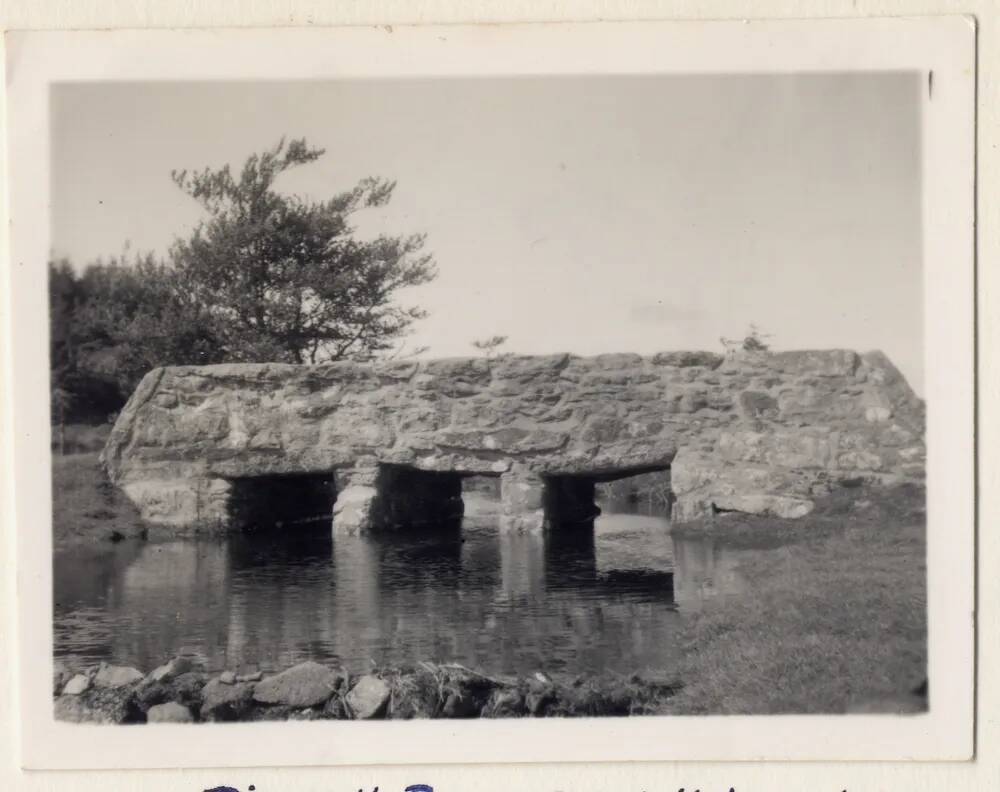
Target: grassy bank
{"type": "Point", "coordinates": [79, 438]}
{"type": "Point", "coordinates": [833, 619]}
{"type": "Point", "coordinates": [86, 506]}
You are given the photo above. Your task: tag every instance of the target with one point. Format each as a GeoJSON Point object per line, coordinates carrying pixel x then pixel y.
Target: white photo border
{"type": "Point", "coordinates": [942, 45]}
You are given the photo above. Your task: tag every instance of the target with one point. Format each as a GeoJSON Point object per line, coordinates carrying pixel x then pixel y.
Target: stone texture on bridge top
{"type": "Point", "coordinates": [741, 429]}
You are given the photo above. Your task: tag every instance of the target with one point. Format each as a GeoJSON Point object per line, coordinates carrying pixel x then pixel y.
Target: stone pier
{"type": "Point", "coordinates": [522, 502]}
{"type": "Point", "coordinates": [355, 510]}
{"type": "Point", "coordinates": [393, 497]}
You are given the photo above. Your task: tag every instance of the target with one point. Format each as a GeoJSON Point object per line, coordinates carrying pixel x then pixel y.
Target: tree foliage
{"type": "Point", "coordinates": [754, 341]}
{"type": "Point", "coordinates": [287, 279]}
{"type": "Point", "coordinates": [265, 277]}
{"type": "Point", "coordinates": [490, 347]}
{"type": "Point", "coordinates": [114, 323]}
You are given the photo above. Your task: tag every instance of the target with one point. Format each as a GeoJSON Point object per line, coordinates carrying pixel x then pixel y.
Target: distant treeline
{"type": "Point", "coordinates": [109, 325]}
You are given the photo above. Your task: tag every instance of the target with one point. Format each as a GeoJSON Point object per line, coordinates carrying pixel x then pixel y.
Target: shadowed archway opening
{"type": "Point", "coordinates": [282, 502]}
{"type": "Point", "coordinates": [574, 499]}
{"type": "Point", "coordinates": [647, 493]}
{"type": "Point", "coordinates": [412, 498]}
{"type": "Point", "coordinates": [574, 502]}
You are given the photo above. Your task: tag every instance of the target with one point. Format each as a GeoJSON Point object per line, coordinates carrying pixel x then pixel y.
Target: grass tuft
{"type": "Point", "coordinates": [86, 506]}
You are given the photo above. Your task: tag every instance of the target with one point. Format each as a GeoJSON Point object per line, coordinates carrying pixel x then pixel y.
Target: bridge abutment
{"type": "Point", "coordinates": [190, 502]}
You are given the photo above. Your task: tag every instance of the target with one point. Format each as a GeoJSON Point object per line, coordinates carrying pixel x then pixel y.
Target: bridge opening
{"type": "Point", "coordinates": [569, 501]}
{"type": "Point", "coordinates": [481, 496]}
{"type": "Point", "coordinates": [590, 514]}
{"type": "Point", "coordinates": [648, 493]}
{"type": "Point", "coordinates": [282, 502]}
{"type": "Point", "coordinates": [577, 499]}
{"type": "Point", "coordinates": [411, 498]}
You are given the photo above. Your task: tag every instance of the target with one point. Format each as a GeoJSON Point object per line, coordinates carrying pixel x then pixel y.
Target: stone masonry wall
{"type": "Point", "coordinates": [761, 433]}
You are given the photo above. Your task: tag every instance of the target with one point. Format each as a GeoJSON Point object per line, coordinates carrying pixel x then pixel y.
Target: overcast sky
{"type": "Point", "coordinates": [571, 214]}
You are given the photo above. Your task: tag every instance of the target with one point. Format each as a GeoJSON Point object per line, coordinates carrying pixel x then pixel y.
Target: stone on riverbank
{"type": "Point", "coordinates": [99, 705]}
{"type": "Point", "coordinates": [77, 685]}
{"type": "Point", "coordinates": [173, 668]}
{"type": "Point", "coordinates": [415, 694]}
{"type": "Point", "coordinates": [169, 713]}
{"type": "Point", "coordinates": [112, 676]}
{"type": "Point", "coordinates": [312, 691]}
{"type": "Point", "coordinates": [60, 676]}
{"type": "Point", "coordinates": [304, 685]}
{"type": "Point", "coordinates": [368, 698]}
{"type": "Point", "coordinates": [185, 689]}
{"type": "Point", "coordinates": [221, 702]}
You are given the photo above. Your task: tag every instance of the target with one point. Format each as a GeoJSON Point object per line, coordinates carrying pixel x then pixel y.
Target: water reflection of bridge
{"type": "Point", "coordinates": [478, 595]}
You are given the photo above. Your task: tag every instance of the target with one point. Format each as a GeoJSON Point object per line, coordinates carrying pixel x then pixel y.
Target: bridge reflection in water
{"type": "Point", "coordinates": [582, 599]}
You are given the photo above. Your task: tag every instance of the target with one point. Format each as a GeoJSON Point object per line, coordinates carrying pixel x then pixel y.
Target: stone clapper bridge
{"type": "Point", "coordinates": [207, 448]}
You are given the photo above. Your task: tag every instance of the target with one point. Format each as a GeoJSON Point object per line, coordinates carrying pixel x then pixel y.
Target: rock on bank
{"type": "Point", "coordinates": [311, 691]}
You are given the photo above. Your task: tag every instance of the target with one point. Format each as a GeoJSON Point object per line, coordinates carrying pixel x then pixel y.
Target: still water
{"type": "Point", "coordinates": [578, 601]}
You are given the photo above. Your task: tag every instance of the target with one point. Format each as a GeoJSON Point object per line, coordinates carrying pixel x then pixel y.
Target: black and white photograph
{"type": "Point", "coordinates": [489, 397]}
{"type": "Point", "coordinates": [351, 421]}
